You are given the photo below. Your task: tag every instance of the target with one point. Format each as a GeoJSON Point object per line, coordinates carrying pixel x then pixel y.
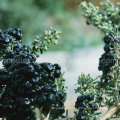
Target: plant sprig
{"type": "Point", "coordinates": [107, 21]}
{"type": "Point", "coordinates": [103, 20]}
{"type": "Point", "coordinates": [42, 42]}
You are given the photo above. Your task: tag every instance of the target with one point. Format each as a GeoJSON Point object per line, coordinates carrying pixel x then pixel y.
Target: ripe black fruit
{"type": "Point", "coordinates": [42, 99]}
{"type": "Point", "coordinates": [79, 117]}
{"type": "Point", "coordinates": [90, 97]}
{"type": "Point", "coordinates": [81, 98]}
{"type": "Point", "coordinates": [52, 98]}
{"type": "Point", "coordinates": [80, 105]}
{"type": "Point", "coordinates": [117, 40]}
{"type": "Point", "coordinates": [108, 38]}
{"type": "Point", "coordinates": [107, 48]}
{"type": "Point", "coordinates": [93, 106]}
{"type": "Point", "coordinates": [57, 73]}
{"type": "Point", "coordinates": [16, 33]}
{"type": "Point", "coordinates": [57, 66]}
{"type": "Point", "coordinates": [48, 66]}
{"type": "Point", "coordinates": [107, 79]}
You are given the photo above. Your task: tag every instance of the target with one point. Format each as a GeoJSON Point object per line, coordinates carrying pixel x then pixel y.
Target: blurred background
{"type": "Point", "coordinates": [34, 16]}
{"type": "Point", "coordinates": [80, 46]}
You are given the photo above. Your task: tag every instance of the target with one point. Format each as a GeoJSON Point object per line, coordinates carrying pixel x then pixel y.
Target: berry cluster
{"type": "Point", "coordinates": [108, 59]}
{"type": "Point", "coordinates": [7, 37]}
{"type": "Point", "coordinates": [83, 103]}
{"type": "Point", "coordinates": [27, 83]}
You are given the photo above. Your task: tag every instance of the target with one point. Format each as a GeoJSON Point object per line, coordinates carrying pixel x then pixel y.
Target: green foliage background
{"type": "Point", "coordinates": [34, 16]}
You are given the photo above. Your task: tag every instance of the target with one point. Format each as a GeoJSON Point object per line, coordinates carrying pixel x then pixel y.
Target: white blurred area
{"type": "Point", "coordinates": [73, 64]}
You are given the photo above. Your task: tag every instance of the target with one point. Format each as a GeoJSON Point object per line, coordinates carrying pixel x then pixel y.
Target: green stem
{"type": "Point", "coordinates": [117, 71]}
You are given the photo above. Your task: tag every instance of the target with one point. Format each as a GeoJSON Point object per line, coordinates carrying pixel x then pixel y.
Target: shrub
{"type": "Point", "coordinates": [26, 84]}
{"type": "Point", "coordinates": [104, 90]}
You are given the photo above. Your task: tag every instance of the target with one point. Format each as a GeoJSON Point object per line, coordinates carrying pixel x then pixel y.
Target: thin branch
{"type": "Point", "coordinates": [2, 92]}
{"type": "Point", "coordinates": [98, 77]}
{"type": "Point", "coordinates": [41, 116]}
{"type": "Point", "coordinates": [117, 70]}
{"type": "Point", "coordinates": [110, 112]}
{"type": "Point", "coordinates": [67, 118]}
